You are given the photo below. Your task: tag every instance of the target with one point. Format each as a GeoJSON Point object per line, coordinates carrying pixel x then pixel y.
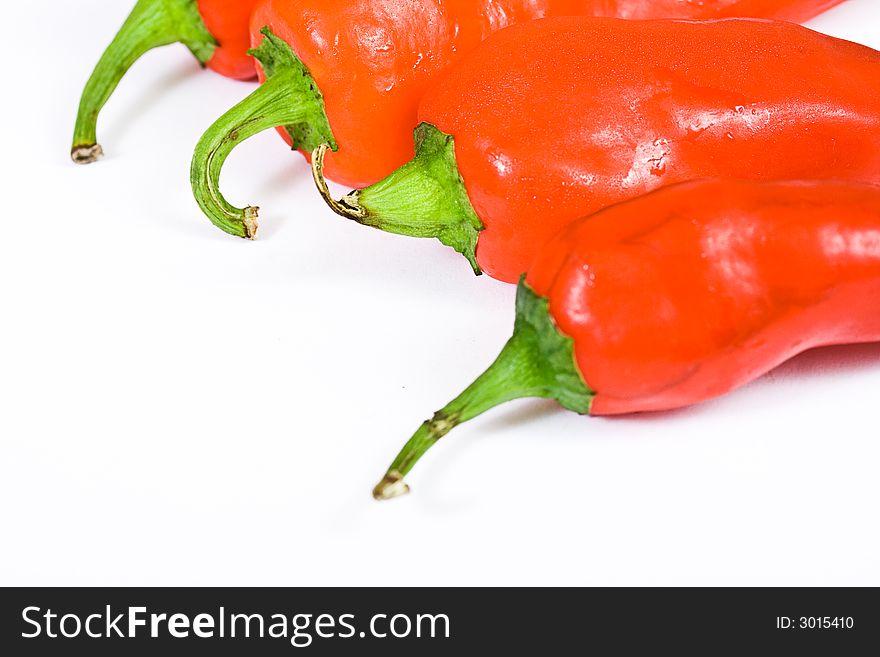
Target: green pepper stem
{"type": "Point", "coordinates": [343, 208]}
{"type": "Point", "coordinates": [151, 24]}
{"type": "Point", "coordinates": [505, 380]}
{"type": "Point", "coordinates": [288, 98]}
{"type": "Point", "coordinates": [538, 361]}
{"type": "Point", "coordinates": [270, 105]}
{"type": "Point", "coordinates": [425, 197]}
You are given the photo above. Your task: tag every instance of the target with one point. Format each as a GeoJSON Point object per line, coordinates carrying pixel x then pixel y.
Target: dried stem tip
{"type": "Point", "coordinates": [391, 486]}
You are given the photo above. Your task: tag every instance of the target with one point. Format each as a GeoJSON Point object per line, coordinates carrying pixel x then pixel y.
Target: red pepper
{"type": "Point", "coordinates": [554, 119]}
{"type": "Point", "coordinates": [215, 31]}
{"type": "Point", "coordinates": [350, 74]}
{"type": "Point", "coordinates": [680, 296]}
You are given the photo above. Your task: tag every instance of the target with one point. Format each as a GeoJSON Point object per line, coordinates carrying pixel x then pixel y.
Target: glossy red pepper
{"type": "Point", "coordinates": [216, 32]}
{"type": "Point", "coordinates": [680, 296]}
{"type": "Point", "coordinates": [350, 74]}
{"type": "Point", "coordinates": [554, 119]}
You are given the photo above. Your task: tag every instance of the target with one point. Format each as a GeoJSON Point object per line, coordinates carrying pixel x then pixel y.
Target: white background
{"type": "Point", "coordinates": [181, 407]}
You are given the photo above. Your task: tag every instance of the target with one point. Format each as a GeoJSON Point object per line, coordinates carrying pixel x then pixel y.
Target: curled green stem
{"type": "Point", "coordinates": [151, 24]}
{"type": "Point", "coordinates": [288, 98]}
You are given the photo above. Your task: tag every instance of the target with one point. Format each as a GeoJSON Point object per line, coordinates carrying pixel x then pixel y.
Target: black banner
{"type": "Point", "coordinates": [435, 621]}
